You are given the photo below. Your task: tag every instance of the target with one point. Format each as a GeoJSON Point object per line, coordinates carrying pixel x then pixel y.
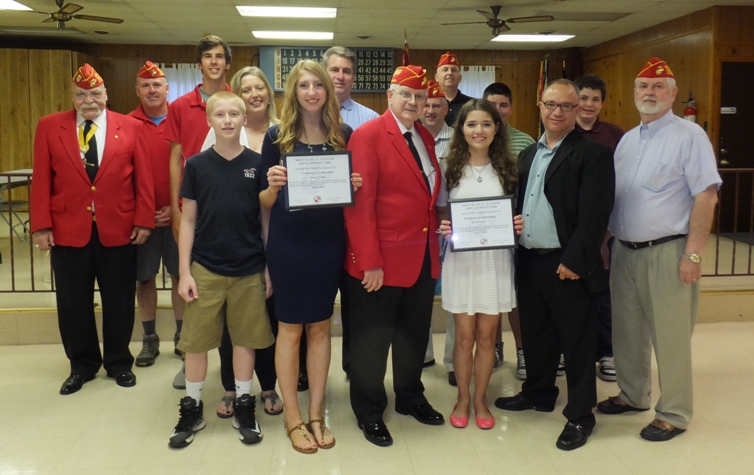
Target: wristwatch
{"type": "Point", "coordinates": [695, 258]}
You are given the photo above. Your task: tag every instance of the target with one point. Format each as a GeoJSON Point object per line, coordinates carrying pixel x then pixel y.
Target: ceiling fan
{"type": "Point", "coordinates": [66, 13]}
{"type": "Point", "coordinates": [499, 26]}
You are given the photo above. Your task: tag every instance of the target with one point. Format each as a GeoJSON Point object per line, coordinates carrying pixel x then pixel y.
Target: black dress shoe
{"type": "Point", "coordinates": [423, 413]}
{"type": "Point", "coordinates": [74, 383]}
{"type": "Point", "coordinates": [429, 363]}
{"type": "Point", "coordinates": [303, 382]}
{"type": "Point", "coordinates": [376, 433]}
{"type": "Point", "coordinates": [520, 403]}
{"type": "Point", "coordinates": [616, 405]}
{"type": "Point", "coordinates": [573, 436]}
{"type": "Point", "coordinates": [452, 379]}
{"type": "Point", "coordinates": [125, 379]}
{"type": "Point", "coordinates": [660, 431]}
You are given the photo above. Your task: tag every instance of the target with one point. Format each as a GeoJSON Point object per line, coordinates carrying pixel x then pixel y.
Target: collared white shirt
{"type": "Point", "coordinates": [429, 169]}
{"type": "Point", "coordinates": [100, 135]}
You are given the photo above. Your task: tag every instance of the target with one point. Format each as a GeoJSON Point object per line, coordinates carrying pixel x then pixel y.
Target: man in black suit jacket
{"type": "Point", "coordinates": [566, 193]}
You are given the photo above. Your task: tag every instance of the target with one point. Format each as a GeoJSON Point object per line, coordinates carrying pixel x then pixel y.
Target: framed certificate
{"type": "Point", "coordinates": [482, 223]}
{"type": "Point", "coordinates": [318, 180]}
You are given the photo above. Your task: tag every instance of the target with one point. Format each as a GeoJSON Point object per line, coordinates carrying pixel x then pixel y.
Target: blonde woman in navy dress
{"type": "Point", "coordinates": [477, 286]}
{"type": "Point", "coordinates": [305, 248]}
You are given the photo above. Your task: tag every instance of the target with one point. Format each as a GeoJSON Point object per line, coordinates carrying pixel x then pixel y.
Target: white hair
{"type": "Point", "coordinates": [669, 81]}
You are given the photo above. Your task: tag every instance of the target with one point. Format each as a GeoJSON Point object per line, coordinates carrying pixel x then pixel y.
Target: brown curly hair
{"type": "Point", "coordinates": [501, 158]}
{"type": "Point", "coordinates": [290, 115]}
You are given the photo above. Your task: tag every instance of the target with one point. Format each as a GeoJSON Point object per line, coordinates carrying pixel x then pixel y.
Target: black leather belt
{"type": "Point", "coordinates": [654, 242]}
{"type": "Point", "coordinates": [543, 252]}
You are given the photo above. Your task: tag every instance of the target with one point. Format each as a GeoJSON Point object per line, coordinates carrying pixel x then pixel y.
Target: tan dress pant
{"type": "Point", "coordinates": [653, 309]}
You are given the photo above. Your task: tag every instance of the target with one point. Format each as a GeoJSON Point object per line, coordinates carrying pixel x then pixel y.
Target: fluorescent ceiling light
{"type": "Point", "coordinates": [288, 12]}
{"type": "Point", "coordinates": [532, 38]}
{"type": "Point", "coordinates": [294, 35]}
{"type": "Point", "coordinates": [13, 5]}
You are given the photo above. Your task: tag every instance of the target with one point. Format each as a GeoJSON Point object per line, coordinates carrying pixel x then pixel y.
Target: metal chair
{"type": "Point", "coordinates": [13, 208]}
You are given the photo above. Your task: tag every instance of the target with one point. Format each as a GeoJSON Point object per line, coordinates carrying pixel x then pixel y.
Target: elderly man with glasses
{"type": "Point", "coordinates": [392, 256]}
{"type": "Point", "coordinates": [566, 192]}
{"type": "Point", "coordinates": [92, 200]}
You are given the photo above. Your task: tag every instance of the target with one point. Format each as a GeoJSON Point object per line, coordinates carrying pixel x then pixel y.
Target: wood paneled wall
{"type": "Point", "coordinates": [35, 95]}
{"type": "Point", "coordinates": [694, 46]}
{"type": "Point", "coordinates": [687, 44]}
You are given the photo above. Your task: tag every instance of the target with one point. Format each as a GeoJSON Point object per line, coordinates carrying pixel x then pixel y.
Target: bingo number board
{"type": "Point", "coordinates": [375, 65]}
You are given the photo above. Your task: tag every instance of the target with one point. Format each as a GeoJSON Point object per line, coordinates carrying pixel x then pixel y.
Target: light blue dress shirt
{"type": "Point", "coordinates": [540, 231]}
{"type": "Point", "coordinates": [659, 168]}
{"type": "Point", "coordinates": [354, 114]}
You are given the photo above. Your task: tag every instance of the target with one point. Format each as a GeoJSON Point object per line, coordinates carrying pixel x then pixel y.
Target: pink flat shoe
{"type": "Point", "coordinates": [485, 423]}
{"type": "Point", "coordinates": [459, 422]}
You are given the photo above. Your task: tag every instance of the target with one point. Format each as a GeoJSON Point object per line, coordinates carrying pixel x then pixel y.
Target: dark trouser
{"type": "Point", "coordinates": [604, 312]}
{"type": "Point", "coordinates": [397, 316]}
{"type": "Point", "coordinates": [604, 324]}
{"type": "Point", "coordinates": [557, 316]}
{"type": "Point", "coordinates": [264, 360]}
{"type": "Point", "coordinates": [76, 268]}
{"type": "Point", "coordinates": [345, 320]}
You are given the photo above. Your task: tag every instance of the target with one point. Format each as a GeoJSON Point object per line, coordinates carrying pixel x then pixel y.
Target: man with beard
{"type": "Point", "coordinates": [665, 199]}
{"type": "Point", "coordinates": [91, 201]}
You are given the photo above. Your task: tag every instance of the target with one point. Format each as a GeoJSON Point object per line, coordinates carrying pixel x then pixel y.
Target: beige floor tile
{"type": "Point", "coordinates": [105, 429]}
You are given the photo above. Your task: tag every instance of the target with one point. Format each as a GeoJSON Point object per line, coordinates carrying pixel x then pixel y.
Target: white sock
{"type": "Point", "coordinates": [194, 390]}
{"type": "Point", "coordinates": [243, 387]}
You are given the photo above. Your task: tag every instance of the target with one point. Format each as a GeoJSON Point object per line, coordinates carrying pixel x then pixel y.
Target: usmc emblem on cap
{"type": "Point", "coordinates": [660, 70]}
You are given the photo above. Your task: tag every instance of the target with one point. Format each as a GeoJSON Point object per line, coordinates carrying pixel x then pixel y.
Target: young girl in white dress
{"type": "Point", "coordinates": [477, 286]}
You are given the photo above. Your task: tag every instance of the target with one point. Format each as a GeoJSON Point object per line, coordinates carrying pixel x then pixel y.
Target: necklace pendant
{"type": "Point", "coordinates": [85, 148]}
{"type": "Point", "coordinates": [479, 179]}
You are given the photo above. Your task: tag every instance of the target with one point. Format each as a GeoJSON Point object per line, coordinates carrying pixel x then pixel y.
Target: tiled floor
{"type": "Point", "coordinates": [105, 429]}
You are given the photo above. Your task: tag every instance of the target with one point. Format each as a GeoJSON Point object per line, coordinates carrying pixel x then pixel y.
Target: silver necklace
{"type": "Point", "coordinates": [479, 178]}
{"type": "Point", "coordinates": [311, 148]}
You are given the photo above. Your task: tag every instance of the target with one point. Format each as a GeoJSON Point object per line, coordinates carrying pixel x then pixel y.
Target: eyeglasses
{"type": "Point", "coordinates": [407, 96]}
{"type": "Point", "coordinates": [96, 95]}
{"type": "Point", "coordinates": [565, 107]}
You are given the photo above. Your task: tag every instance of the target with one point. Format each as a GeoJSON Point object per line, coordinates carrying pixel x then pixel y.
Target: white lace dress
{"type": "Point", "coordinates": [477, 281]}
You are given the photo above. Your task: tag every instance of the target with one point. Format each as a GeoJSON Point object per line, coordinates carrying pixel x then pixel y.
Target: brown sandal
{"type": "Point", "coordinates": [322, 429]}
{"type": "Point", "coordinates": [301, 428]}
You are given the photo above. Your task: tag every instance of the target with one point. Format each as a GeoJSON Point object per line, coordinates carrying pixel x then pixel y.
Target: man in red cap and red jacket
{"type": "Point", "coordinates": [91, 201]}
{"type": "Point", "coordinates": [392, 256]}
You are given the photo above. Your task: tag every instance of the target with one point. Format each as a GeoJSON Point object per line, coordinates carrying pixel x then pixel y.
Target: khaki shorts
{"type": "Point", "coordinates": [246, 314]}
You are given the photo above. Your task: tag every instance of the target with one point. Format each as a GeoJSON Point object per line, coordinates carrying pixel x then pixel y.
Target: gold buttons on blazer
{"type": "Point", "coordinates": [88, 208]}
{"type": "Point", "coordinates": [424, 230]}
{"type": "Point", "coordinates": [94, 188]}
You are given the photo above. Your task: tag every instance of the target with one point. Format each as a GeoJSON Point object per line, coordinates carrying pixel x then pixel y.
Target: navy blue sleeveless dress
{"type": "Point", "coordinates": [305, 248]}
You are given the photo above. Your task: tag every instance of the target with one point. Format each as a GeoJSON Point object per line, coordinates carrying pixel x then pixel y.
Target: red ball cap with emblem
{"type": "Point", "coordinates": [655, 68]}
{"type": "Point", "coordinates": [87, 78]}
{"type": "Point", "coordinates": [149, 71]}
{"type": "Point", "coordinates": [411, 76]}
{"type": "Point", "coordinates": [434, 90]}
{"type": "Point", "coordinates": [448, 58]}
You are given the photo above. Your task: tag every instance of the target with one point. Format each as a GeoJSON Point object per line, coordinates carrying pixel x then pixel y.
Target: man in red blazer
{"type": "Point", "coordinates": [91, 200]}
{"type": "Point", "coordinates": [392, 256]}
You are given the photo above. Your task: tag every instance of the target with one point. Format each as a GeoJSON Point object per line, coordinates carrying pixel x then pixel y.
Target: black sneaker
{"type": "Point", "coordinates": [191, 420]}
{"type": "Point", "coordinates": [243, 419]}
{"type": "Point", "coordinates": [150, 349]}
{"type": "Point", "coordinates": [176, 339]}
